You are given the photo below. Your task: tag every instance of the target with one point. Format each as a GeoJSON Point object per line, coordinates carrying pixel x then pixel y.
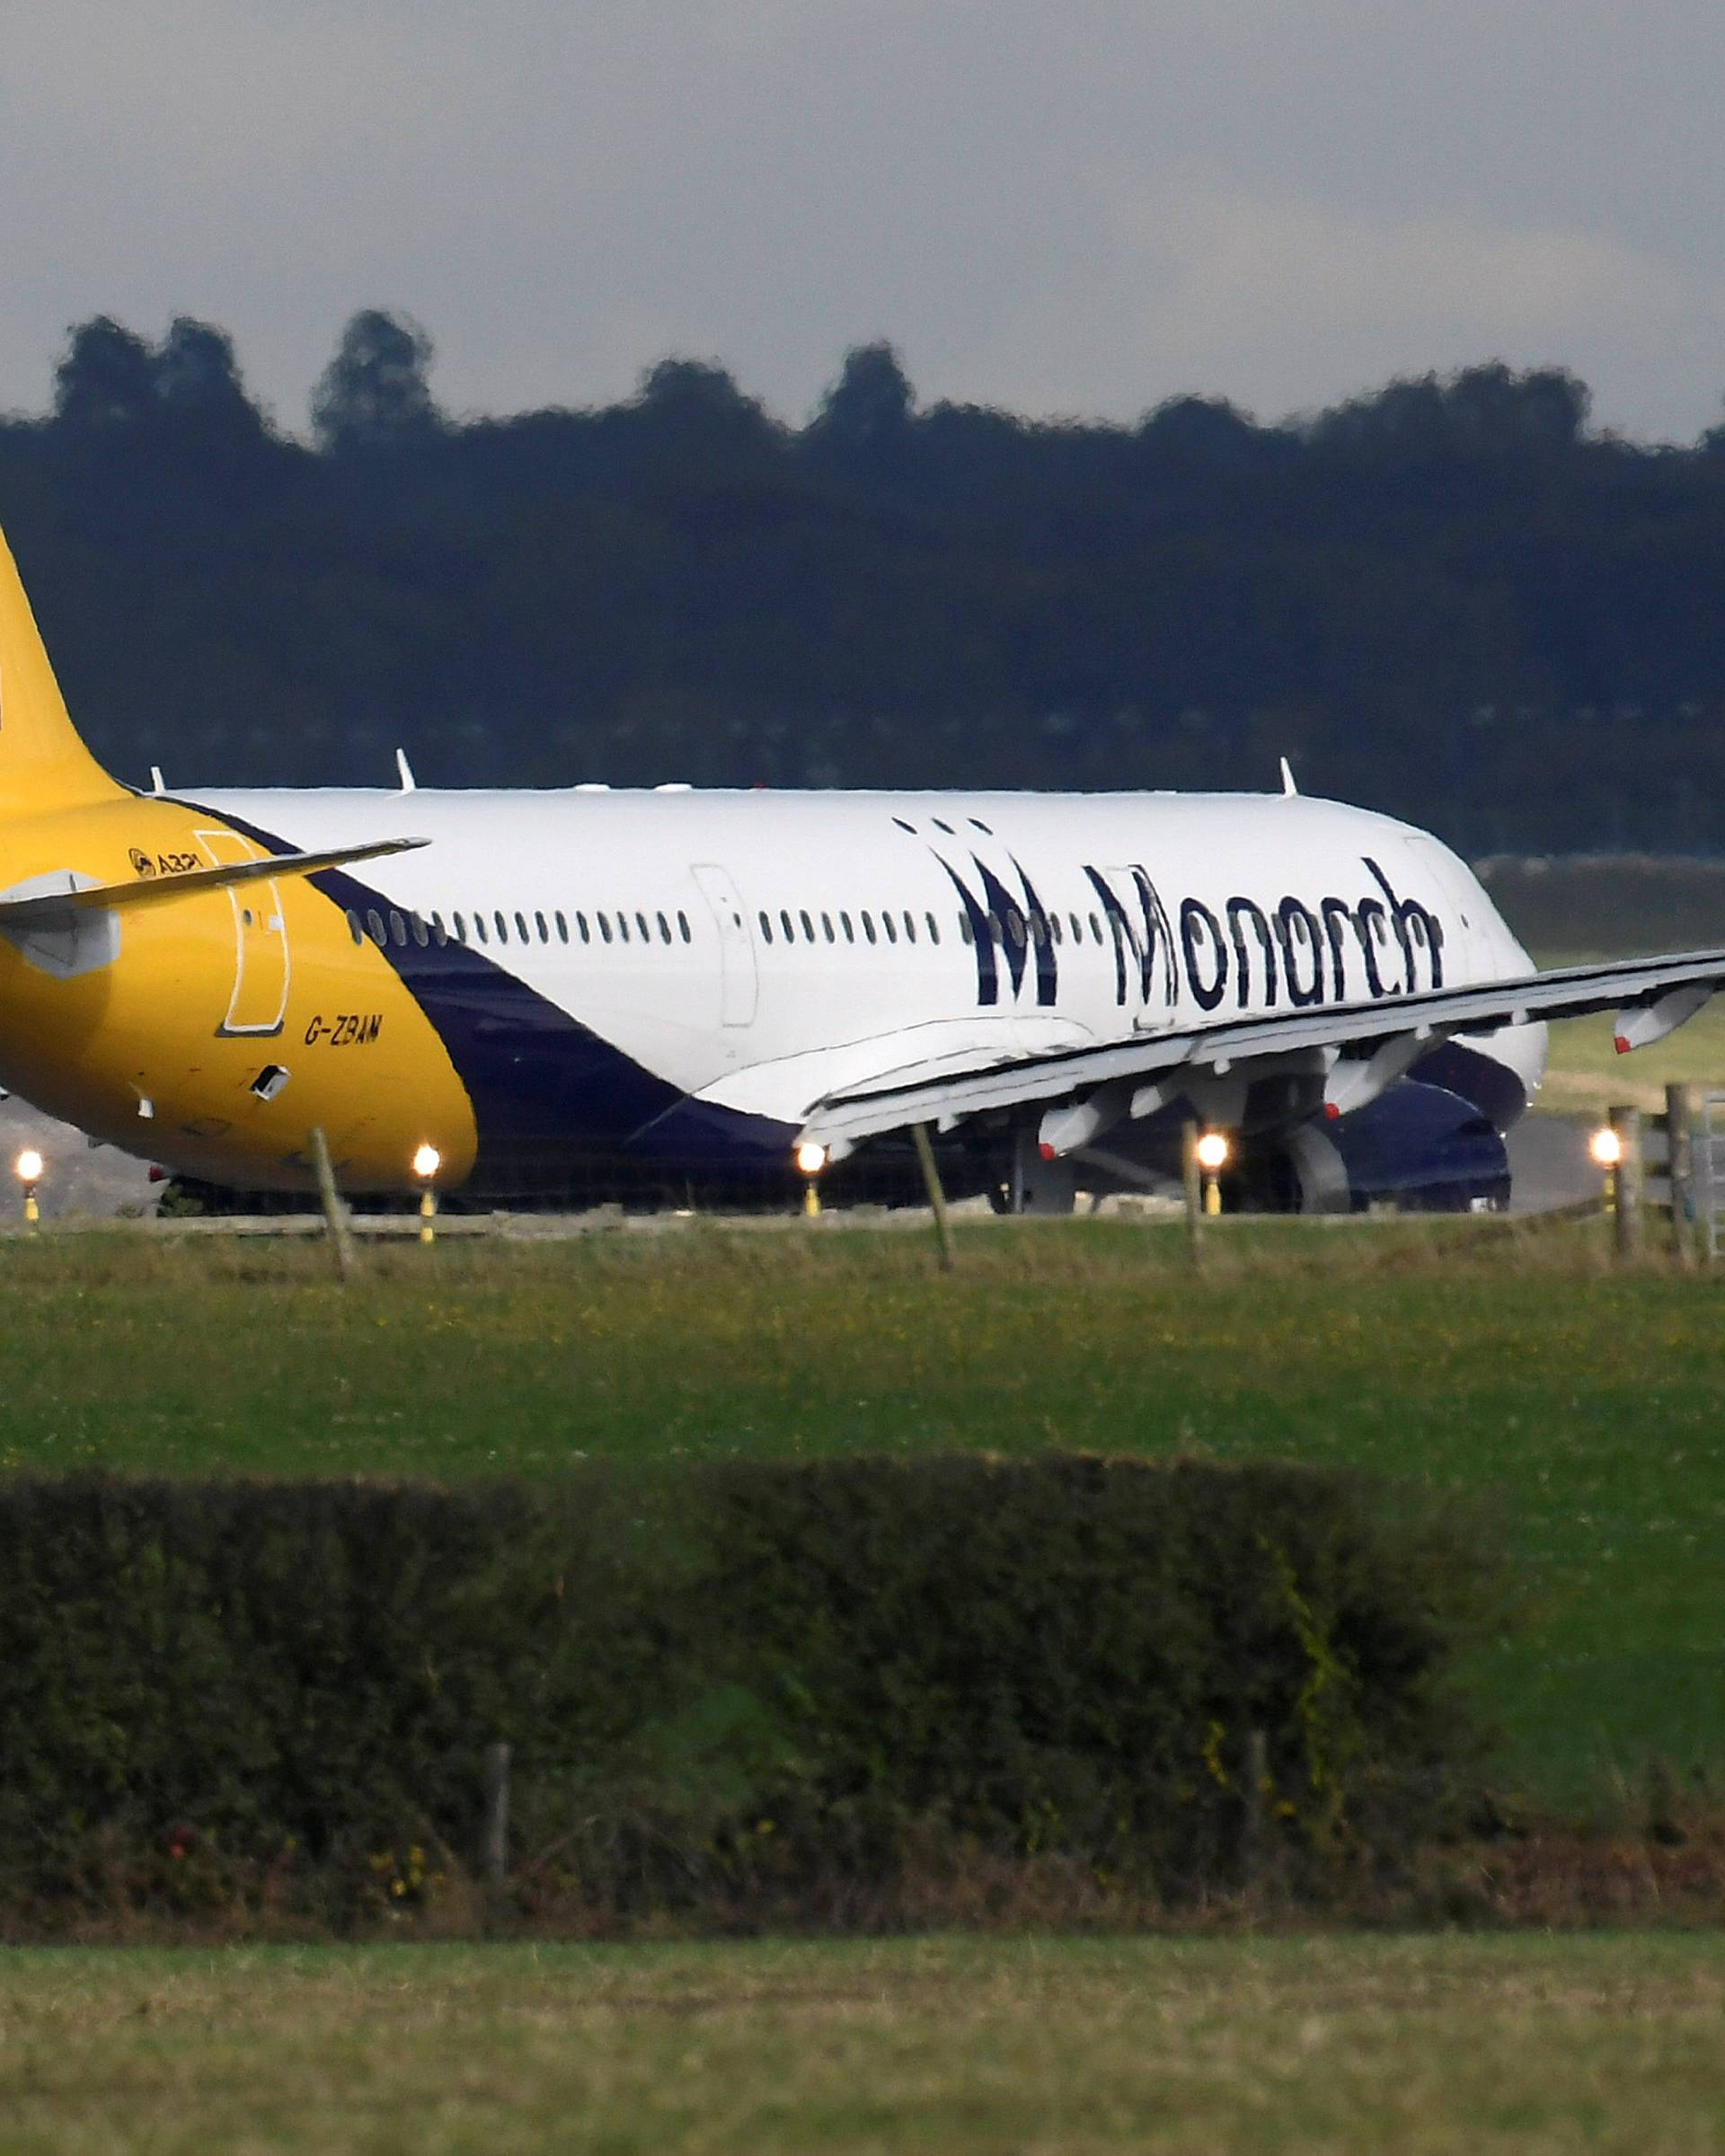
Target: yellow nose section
{"type": "Point", "coordinates": [225, 1026]}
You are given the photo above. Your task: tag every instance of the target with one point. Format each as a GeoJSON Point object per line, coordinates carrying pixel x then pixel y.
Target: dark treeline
{"type": "Point", "coordinates": [1450, 598]}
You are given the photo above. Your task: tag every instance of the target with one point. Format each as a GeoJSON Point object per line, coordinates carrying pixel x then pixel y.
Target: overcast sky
{"type": "Point", "coordinates": [1074, 206]}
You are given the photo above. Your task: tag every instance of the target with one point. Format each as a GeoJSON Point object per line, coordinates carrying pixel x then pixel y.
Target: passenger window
{"type": "Point", "coordinates": [501, 927]}
{"type": "Point", "coordinates": [562, 928]}
{"type": "Point", "coordinates": [604, 921]}
{"type": "Point", "coordinates": [868, 925]}
{"type": "Point", "coordinates": [807, 928]}
{"type": "Point", "coordinates": [521, 928]}
{"type": "Point", "coordinates": [581, 928]}
{"type": "Point", "coordinates": [544, 933]}
{"type": "Point", "coordinates": [397, 930]}
{"type": "Point", "coordinates": [354, 928]}
{"type": "Point", "coordinates": [826, 927]}
{"type": "Point", "coordinates": [646, 932]}
{"type": "Point", "coordinates": [934, 928]}
{"type": "Point", "coordinates": [1077, 928]}
{"type": "Point", "coordinates": [374, 924]}
{"type": "Point", "coordinates": [1015, 928]}
{"type": "Point", "coordinates": [1054, 926]}
{"type": "Point", "coordinates": [421, 934]}
{"type": "Point", "coordinates": [664, 928]}
{"type": "Point", "coordinates": [910, 926]}
{"type": "Point", "coordinates": [844, 922]}
{"type": "Point", "coordinates": [683, 927]}
{"type": "Point", "coordinates": [766, 928]}
{"type": "Point", "coordinates": [967, 934]}
{"type": "Point", "coordinates": [785, 917]}
{"type": "Point", "coordinates": [885, 923]}
{"type": "Point", "coordinates": [479, 928]}
{"type": "Point", "coordinates": [461, 928]}
{"type": "Point", "coordinates": [1095, 928]}
{"type": "Point", "coordinates": [995, 928]}
{"type": "Point", "coordinates": [622, 927]}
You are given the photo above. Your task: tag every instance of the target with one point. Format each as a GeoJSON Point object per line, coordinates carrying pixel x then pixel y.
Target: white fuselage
{"type": "Point", "coordinates": [757, 950]}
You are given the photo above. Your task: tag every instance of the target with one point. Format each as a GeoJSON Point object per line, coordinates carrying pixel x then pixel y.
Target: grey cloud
{"type": "Point", "coordinates": [1081, 207]}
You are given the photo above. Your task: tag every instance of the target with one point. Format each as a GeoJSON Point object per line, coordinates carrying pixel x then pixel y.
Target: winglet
{"type": "Point", "coordinates": [1290, 790]}
{"type": "Point", "coordinates": [404, 771]}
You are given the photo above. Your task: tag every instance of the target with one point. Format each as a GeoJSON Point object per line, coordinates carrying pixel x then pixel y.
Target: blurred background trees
{"type": "Point", "coordinates": [1450, 598]}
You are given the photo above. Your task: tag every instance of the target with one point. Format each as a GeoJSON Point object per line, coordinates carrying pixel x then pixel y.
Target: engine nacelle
{"type": "Point", "coordinates": [1419, 1147]}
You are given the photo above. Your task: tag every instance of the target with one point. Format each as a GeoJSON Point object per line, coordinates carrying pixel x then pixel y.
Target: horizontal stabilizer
{"type": "Point", "coordinates": [50, 908]}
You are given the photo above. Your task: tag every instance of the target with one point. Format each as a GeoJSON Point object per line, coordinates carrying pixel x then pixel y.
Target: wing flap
{"type": "Point", "coordinates": [1432, 1014]}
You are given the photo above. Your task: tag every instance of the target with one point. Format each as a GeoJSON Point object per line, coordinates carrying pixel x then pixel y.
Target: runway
{"type": "Point", "coordinates": [1548, 1163]}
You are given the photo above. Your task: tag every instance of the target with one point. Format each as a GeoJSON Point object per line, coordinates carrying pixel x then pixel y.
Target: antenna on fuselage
{"type": "Point", "coordinates": [404, 771]}
{"type": "Point", "coordinates": [156, 783]}
{"type": "Point", "coordinates": [1290, 791]}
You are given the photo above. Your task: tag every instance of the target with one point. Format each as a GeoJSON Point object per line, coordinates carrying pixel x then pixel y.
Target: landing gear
{"type": "Point", "coordinates": [1033, 1184]}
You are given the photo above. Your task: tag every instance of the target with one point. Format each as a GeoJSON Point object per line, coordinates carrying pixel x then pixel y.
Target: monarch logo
{"type": "Point", "coordinates": [142, 863]}
{"type": "Point", "coordinates": [1310, 954]}
{"type": "Point", "coordinates": [1250, 951]}
{"type": "Point", "coordinates": [1007, 934]}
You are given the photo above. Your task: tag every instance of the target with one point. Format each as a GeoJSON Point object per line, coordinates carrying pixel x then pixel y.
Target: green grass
{"type": "Point", "coordinates": [1600, 2044]}
{"type": "Point", "coordinates": [1587, 1073]}
{"type": "Point", "coordinates": [1576, 1409]}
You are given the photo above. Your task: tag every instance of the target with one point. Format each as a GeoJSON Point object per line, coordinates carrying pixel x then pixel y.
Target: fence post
{"type": "Point", "coordinates": [1254, 1825]}
{"type": "Point", "coordinates": [1679, 1124]}
{"type": "Point", "coordinates": [1627, 1220]}
{"type": "Point", "coordinates": [494, 1848]}
{"type": "Point", "coordinates": [936, 1195]}
{"type": "Point", "coordinates": [1192, 1184]}
{"type": "Point", "coordinates": [335, 1213]}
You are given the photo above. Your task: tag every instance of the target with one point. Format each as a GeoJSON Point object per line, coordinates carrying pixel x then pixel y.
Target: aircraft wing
{"type": "Point", "coordinates": [1651, 996]}
{"type": "Point", "coordinates": [40, 908]}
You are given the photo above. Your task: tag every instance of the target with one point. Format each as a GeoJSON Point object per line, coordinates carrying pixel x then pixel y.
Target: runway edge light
{"type": "Point", "coordinates": [426, 1161]}
{"type": "Point", "coordinates": [27, 1168]}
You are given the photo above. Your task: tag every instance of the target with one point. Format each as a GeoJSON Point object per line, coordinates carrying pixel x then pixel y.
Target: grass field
{"type": "Point", "coordinates": [1586, 1075]}
{"type": "Point", "coordinates": [1576, 1409]}
{"type": "Point", "coordinates": [1064, 2046]}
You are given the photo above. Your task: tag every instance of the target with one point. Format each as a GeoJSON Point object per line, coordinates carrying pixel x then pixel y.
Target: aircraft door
{"type": "Point", "coordinates": [260, 964]}
{"type": "Point", "coordinates": [738, 981]}
{"type": "Point", "coordinates": [1146, 971]}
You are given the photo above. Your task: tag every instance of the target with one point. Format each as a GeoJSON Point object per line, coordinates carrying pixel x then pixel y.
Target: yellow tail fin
{"type": "Point", "coordinates": [43, 763]}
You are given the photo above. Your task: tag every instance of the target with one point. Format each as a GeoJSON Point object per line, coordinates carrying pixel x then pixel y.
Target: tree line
{"type": "Point", "coordinates": [1452, 598]}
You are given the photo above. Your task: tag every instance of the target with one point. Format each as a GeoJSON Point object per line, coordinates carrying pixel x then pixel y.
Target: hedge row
{"type": "Point", "coordinates": [761, 1671]}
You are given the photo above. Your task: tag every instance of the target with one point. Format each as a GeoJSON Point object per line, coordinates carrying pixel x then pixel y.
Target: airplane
{"type": "Point", "coordinates": [670, 994]}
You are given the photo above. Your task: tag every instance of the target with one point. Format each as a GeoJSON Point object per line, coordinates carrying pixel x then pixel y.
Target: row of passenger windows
{"type": "Point", "coordinates": [401, 929]}
{"type": "Point", "coordinates": [1016, 928]}
{"type": "Point", "coordinates": [789, 924]}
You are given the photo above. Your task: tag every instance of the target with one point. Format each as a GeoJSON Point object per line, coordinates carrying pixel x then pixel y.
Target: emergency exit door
{"type": "Point", "coordinates": [739, 983]}
{"type": "Point", "coordinates": [260, 968]}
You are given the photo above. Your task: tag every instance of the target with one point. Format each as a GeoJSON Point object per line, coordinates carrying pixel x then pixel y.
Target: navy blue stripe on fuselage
{"type": "Point", "coordinates": [545, 1090]}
